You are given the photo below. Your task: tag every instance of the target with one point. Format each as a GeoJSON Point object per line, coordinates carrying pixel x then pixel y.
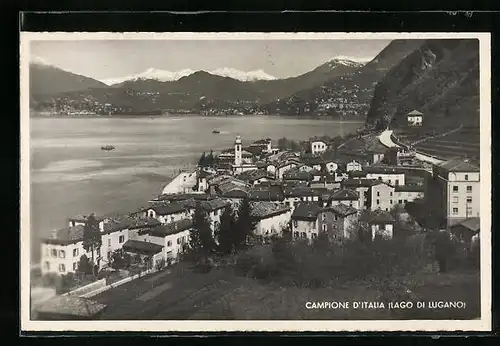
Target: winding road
{"type": "Point", "coordinates": [385, 139]}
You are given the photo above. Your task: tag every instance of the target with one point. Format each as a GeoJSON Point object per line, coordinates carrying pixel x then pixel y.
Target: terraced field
{"type": "Point", "coordinates": [462, 143]}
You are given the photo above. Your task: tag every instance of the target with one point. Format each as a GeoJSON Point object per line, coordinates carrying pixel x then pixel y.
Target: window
{"type": "Point", "coordinates": [121, 239]}
{"type": "Point", "coordinates": [314, 235]}
{"type": "Point", "coordinates": [109, 241]}
{"type": "Point", "coordinates": [75, 266]}
{"type": "Point", "coordinates": [324, 216]}
{"type": "Point", "coordinates": [109, 255]}
{"type": "Point", "coordinates": [378, 201]}
{"type": "Point", "coordinates": [378, 193]}
{"type": "Point", "coordinates": [397, 182]}
{"type": "Point", "coordinates": [62, 254]}
{"type": "Point", "coordinates": [296, 234]}
{"type": "Point", "coordinates": [324, 227]}
{"type": "Point", "coordinates": [178, 240]}
{"type": "Point", "coordinates": [314, 225]}
{"type": "Point", "coordinates": [469, 189]}
{"type": "Point", "coordinates": [455, 188]}
{"type": "Point", "coordinates": [455, 210]}
{"type": "Point", "coordinates": [295, 223]}
{"type": "Point", "coordinates": [350, 203]}
{"type": "Point", "coordinates": [47, 265]}
{"type": "Point", "coordinates": [466, 177]}
{"type": "Point", "coordinates": [400, 201]}
{"type": "Point", "coordinates": [455, 199]}
{"type": "Point", "coordinates": [390, 194]}
{"type": "Point", "coordinates": [54, 253]}
{"type": "Point", "coordinates": [390, 201]}
{"type": "Point", "coordinates": [62, 268]}
{"type": "Point", "coordinates": [75, 252]}
{"type": "Point", "coordinates": [304, 235]}
{"type": "Point", "coordinates": [406, 201]}
{"type": "Point", "coordinates": [386, 209]}
{"type": "Point", "coordinates": [169, 243]}
{"type": "Point", "coordinates": [469, 199]}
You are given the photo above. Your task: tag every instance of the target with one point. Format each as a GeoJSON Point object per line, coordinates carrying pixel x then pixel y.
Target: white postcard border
{"type": "Point", "coordinates": [482, 324]}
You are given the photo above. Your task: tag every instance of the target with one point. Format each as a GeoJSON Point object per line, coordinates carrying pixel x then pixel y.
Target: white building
{"type": "Point", "coordinates": [272, 218]}
{"type": "Point", "coordinates": [383, 196]}
{"type": "Point", "coordinates": [414, 118]}
{"type": "Point", "coordinates": [174, 211]}
{"type": "Point", "coordinates": [454, 190]}
{"type": "Point", "coordinates": [318, 147]}
{"type": "Point", "coordinates": [354, 166]}
{"type": "Point", "coordinates": [182, 183]}
{"type": "Point", "coordinates": [305, 221]}
{"type": "Point", "coordinates": [344, 196]}
{"type": "Point", "coordinates": [390, 175]}
{"type": "Point", "coordinates": [378, 224]}
{"type": "Point", "coordinates": [61, 253]}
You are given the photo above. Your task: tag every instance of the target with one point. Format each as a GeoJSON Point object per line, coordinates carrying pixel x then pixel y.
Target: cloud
{"type": "Point", "coordinates": [39, 60]}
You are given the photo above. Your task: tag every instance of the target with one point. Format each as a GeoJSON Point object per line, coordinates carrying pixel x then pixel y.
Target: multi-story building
{"type": "Point", "coordinates": [318, 147]}
{"type": "Point", "coordinates": [305, 221]}
{"type": "Point", "coordinates": [363, 187]}
{"type": "Point", "coordinates": [454, 190]}
{"type": "Point", "coordinates": [338, 221]}
{"type": "Point", "coordinates": [382, 196]}
{"type": "Point", "coordinates": [345, 196]}
{"type": "Point", "coordinates": [272, 218]}
{"type": "Point", "coordinates": [390, 175]}
{"type": "Point", "coordinates": [61, 253]}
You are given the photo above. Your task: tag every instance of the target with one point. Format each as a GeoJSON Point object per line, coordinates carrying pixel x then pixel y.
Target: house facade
{"type": "Point", "coordinates": [347, 197]}
{"type": "Point", "coordinates": [454, 190]}
{"type": "Point", "coordinates": [382, 196]}
{"type": "Point", "coordinates": [337, 222]}
{"type": "Point", "coordinates": [272, 218]}
{"type": "Point", "coordinates": [318, 147]}
{"type": "Point", "coordinates": [415, 118]}
{"type": "Point", "coordinates": [390, 175]}
{"type": "Point", "coordinates": [305, 221]}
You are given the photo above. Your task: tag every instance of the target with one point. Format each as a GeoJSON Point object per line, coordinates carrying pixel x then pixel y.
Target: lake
{"type": "Point", "coordinates": [70, 174]}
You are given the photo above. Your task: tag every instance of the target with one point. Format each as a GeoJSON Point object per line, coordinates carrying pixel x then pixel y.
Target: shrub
{"type": "Point", "coordinates": [160, 265]}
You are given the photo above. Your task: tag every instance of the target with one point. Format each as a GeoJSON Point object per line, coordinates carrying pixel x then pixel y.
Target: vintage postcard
{"type": "Point", "coordinates": [255, 182]}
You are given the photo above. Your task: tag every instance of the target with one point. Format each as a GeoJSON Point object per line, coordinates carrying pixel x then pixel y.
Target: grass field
{"type": "Point", "coordinates": [180, 294]}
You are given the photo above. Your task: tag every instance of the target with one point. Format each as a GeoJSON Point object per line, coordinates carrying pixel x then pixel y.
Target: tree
{"type": "Point", "coordinates": [201, 241]}
{"type": "Point", "coordinates": [92, 238]}
{"type": "Point", "coordinates": [84, 265]}
{"type": "Point", "coordinates": [226, 231]}
{"type": "Point", "coordinates": [202, 159]}
{"type": "Point", "coordinates": [245, 224]}
{"type": "Point", "coordinates": [444, 250]}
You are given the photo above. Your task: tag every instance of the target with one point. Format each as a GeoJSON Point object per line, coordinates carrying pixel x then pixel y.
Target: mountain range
{"type": "Point", "coordinates": [168, 76]}
{"type": "Point", "coordinates": [438, 77]}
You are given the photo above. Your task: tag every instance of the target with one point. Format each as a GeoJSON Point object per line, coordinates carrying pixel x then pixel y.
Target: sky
{"type": "Point", "coordinates": [103, 59]}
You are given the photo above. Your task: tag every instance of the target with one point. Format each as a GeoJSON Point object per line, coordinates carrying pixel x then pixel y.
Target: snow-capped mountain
{"type": "Point", "coordinates": [167, 76]}
{"type": "Point", "coordinates": [242, 75]}
{"type": "Point", "coordinates": [152, 73]}
{"type": "Point", "coordinates": [346, 61]}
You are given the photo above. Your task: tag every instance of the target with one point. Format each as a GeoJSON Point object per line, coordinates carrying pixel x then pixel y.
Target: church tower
{"type": "Point", "coordinates": [237, 151]}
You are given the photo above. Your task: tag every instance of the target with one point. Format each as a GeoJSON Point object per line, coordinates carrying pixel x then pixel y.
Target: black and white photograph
{"type": "Point", "coordinates": [255, 181]}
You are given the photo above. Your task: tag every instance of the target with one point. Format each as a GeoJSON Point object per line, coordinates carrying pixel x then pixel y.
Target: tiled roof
{"type": "Point", "coordinates": [296, 174]}
{"type": "Point", "coordinates": [83, 218]}
{"type": "Point", "coordinates": [267, 194]}
{"type": "Point", "coordinates": [409, 188]}
{"type": "Point", "coordinates": [142, 247]}
{"type": "Point", "coordinates": [354, 183]}
{"type": "Point", "coordinates": [301, 191]}
{"type": "Point", "coordinates": [315, 172]}
{"type": "Point", "coordinates": [204, 174]}
{"type": "Point", "coordinates": [230, 186]}
{"type": "Point", "coordinates": [342, 209]}
{"type": "Point", "coordinates": [171, 228]}
{"type": "Point", "coordinates": [415, 112]}
{"type": "Point", "coordinates": [306, 211]}
{"type": "Point", "coordinates": [344, 195]}
{"type": "Point", "coordinates": [383, 170]}
{"type": "Point", "coordinates": [459, 165]}
{"type": "Point", "coordinates": [142, 222]}
{"type": "Point", "coordinates": [473, 224]}
{"type": "Point", "coordinates": [71, 306]}
{"type": "Point", "coordinates": [357, 174]}
{"type": "Point", "coordinates": [174, 207]}
{"type": "Point", "coordinates": [264, 210]}
{"type": "Point", "coordinates": [377, 216]}
{"type": "Point", "coordinates": [183, 196]}
{"type": "Point", "coordinates": [214, 204]}
{"type": "Point", "coordinates": [236, 193]}
{"type": "Point", "coordinates": [67, 235]}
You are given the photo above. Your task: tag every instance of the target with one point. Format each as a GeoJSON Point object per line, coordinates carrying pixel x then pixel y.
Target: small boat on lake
{"type": "Point", "coordinates": [108, 147]}
{"type": "Point", "coordinates": [216, 131]}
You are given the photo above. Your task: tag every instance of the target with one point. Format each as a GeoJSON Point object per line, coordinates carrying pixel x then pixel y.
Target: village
{"type": "Point", "coordinates": [338, 192]}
